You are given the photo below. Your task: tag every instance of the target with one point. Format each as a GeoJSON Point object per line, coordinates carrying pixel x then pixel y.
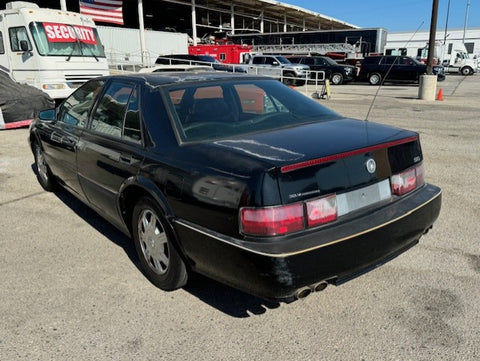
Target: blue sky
{"type": "Point", "coordinates": [395, 15]}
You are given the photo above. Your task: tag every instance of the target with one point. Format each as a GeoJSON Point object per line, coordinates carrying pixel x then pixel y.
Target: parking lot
{"type": "Point", "coordinates": [71, 288]}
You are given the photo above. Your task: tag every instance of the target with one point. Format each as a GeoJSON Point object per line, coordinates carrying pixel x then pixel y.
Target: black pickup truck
{"type": "Point", "coordinates": [336, 73]}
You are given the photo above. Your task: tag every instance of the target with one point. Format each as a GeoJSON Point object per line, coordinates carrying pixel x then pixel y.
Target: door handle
{"type": "Point", "coordinates": [127, 159]}
{"type": "Point", "coordinates": [55, 137]}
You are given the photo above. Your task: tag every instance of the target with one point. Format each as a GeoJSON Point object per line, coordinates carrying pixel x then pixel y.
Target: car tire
{"type": "Point", "coordinates": [287, 79]}
{"type": "Point", "coordinates": [337, 78]}
{"type": "Point", "coordinates": [44, 175]}
{"type": "Point", "coordinates": [160, 260]}
{"type": "Point", "coordinates": [374, 79]}
{"type": "Point", "coordinates": [466, 70]}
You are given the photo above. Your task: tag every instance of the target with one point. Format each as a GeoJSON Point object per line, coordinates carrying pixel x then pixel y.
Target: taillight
{"type": "Point", "coordinates": [407, 181]}
{"type": "Point", "coordinates": [275, 221]}
{"type": "Point", "coordinates": [322, 210]}
{"type": "Point", "coordinates": [272, 221]}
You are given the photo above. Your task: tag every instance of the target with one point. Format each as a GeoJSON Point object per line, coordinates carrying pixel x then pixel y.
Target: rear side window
{"type": "Point", "coordinates": [131, 126]}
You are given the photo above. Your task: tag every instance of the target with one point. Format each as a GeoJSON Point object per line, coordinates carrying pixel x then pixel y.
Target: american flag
{"type": "Point", "coordinates": [108, 11]}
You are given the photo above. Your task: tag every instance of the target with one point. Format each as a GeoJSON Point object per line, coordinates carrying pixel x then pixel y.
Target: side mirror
{"type": "Point", "coordinates": [23, 45]}
{"type": "Point", "coordinates": [48, 115]}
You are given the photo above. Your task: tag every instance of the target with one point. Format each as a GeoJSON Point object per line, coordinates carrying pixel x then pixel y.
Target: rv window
{"type": "Point", "coordinates": [53, 39]}
{"type": "Point", "coordinates": [16, 36]}
{"type": "Point", "coordinates": [469, 47]}
{"type": "Point", "coordinates": [2, 47]}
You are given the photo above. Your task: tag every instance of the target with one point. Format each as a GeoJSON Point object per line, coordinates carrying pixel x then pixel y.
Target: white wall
{"type": "Point", "coordinates": [122, 45]}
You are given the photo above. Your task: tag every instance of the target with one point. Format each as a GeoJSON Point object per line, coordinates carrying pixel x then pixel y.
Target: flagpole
{"type": "Point", "coordinates": [63, 5]}
{"type": "Point", "coordinates": [142, 32]}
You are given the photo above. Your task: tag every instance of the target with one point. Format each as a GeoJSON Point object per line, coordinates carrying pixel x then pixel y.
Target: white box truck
{"type": "Point", "coordinates": [53, 50]}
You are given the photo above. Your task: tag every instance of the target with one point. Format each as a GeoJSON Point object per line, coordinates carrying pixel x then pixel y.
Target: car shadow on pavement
{"type": "Point", "coordinates": [224, 298]}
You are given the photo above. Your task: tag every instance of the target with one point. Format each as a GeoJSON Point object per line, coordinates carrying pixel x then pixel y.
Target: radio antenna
{"type": "Point", "coordinates": [388, 72]}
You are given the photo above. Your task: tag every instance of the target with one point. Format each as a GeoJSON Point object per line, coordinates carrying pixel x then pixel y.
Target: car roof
{"type": "Point", "coordinates": [176, 68]}
{"type": "Point", "coordinates": [168, 78]}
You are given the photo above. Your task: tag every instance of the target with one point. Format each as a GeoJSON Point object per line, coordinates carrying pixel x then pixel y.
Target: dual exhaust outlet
{"type": "Point", "coordinates": [307, 290]}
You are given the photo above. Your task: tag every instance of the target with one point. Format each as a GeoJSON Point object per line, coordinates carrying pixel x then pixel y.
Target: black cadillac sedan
{"type": "Point", "coordinates": [237, 177]}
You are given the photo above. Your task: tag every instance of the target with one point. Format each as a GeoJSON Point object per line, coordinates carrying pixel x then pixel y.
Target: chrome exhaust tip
{"type": "Point", "coordinates": [320, 286]}
{"type": "Point", "coordinates": [303, 292]}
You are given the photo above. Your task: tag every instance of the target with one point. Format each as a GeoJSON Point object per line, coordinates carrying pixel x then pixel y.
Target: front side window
{"type": "Point", "coordinates": [55, 39]}
{"type": "Point", "coordinates": [76, 108]}
{"type": "Point", "coordinates": [311, 61]}
{"type": "Point", "coordinates": [234, 108]}
{"type": "Point", "coordinates": [110, 113]}
{"type": "Point", "coordinates": [388, 60]}
{"type": "Point", "coordinates": [17, 35]}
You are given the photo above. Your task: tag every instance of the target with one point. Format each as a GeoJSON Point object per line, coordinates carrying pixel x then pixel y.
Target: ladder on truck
{"type": "Point", "coordinates": [305, 48]}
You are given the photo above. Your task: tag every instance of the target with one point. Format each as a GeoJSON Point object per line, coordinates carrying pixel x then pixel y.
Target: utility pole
{"type": "Point", "coordinates": [142, 32]}
{"type": "Point", "coordinates": [446, 23]}
{"type": "Point", "coordinates": [431, 41]}
{"type": "Point", "coordinates": [428, 82]}
{"type": "Point", "coordinates": [466, 21]}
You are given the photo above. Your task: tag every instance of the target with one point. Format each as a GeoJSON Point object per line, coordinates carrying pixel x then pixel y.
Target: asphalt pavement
{"type": "Point", "coordinates": [71, 289]}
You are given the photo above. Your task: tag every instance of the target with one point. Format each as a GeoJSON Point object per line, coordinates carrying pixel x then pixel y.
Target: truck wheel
{"type": "Point", "coordinates": [337, 79]}
{"type": "Point", "coordinates": [466, 70]}
{"type": "Point", "coordinates": [375, 79]}
{"type": "Point", "coordinates": [288, 78]}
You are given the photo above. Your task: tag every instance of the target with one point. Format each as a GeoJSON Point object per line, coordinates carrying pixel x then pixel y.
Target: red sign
{"type": "Point", "coordinates": [69, 33]}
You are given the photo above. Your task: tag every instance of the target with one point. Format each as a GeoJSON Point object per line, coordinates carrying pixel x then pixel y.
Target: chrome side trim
{"type": "Point", "coordinates": [238, 243]}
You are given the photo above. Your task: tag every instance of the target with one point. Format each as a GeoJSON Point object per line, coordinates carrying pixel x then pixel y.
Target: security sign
{"type": "Point", "coordinates": [63, 33]}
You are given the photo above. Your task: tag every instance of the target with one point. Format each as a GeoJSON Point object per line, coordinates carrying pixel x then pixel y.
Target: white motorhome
{"type": "Point", "coordinates": [53, 50]}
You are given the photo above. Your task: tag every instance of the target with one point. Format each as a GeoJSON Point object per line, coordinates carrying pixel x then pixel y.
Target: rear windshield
{"type": "Point", "coordinates": [220, 109]}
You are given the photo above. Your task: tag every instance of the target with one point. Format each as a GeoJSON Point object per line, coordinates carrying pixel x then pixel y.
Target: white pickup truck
{"type": "Point", "coordinates": [278, 67]}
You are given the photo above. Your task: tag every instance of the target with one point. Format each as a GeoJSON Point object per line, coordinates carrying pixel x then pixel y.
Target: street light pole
{"type": "Point", "coordinates": [431, 41]}
{"type": "Point", "coordinates": [466, 21]}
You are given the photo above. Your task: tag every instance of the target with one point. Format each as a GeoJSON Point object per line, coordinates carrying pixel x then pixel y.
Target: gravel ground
{"type": "Point", "coordinates": [71, 288]}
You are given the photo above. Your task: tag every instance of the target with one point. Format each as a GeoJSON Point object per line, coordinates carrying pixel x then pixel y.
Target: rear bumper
{"type": "Point", "coordinates": [277, 269]}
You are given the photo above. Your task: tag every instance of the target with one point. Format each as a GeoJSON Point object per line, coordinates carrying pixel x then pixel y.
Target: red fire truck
{"type": "Point", "coordinates": [226, 53]}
